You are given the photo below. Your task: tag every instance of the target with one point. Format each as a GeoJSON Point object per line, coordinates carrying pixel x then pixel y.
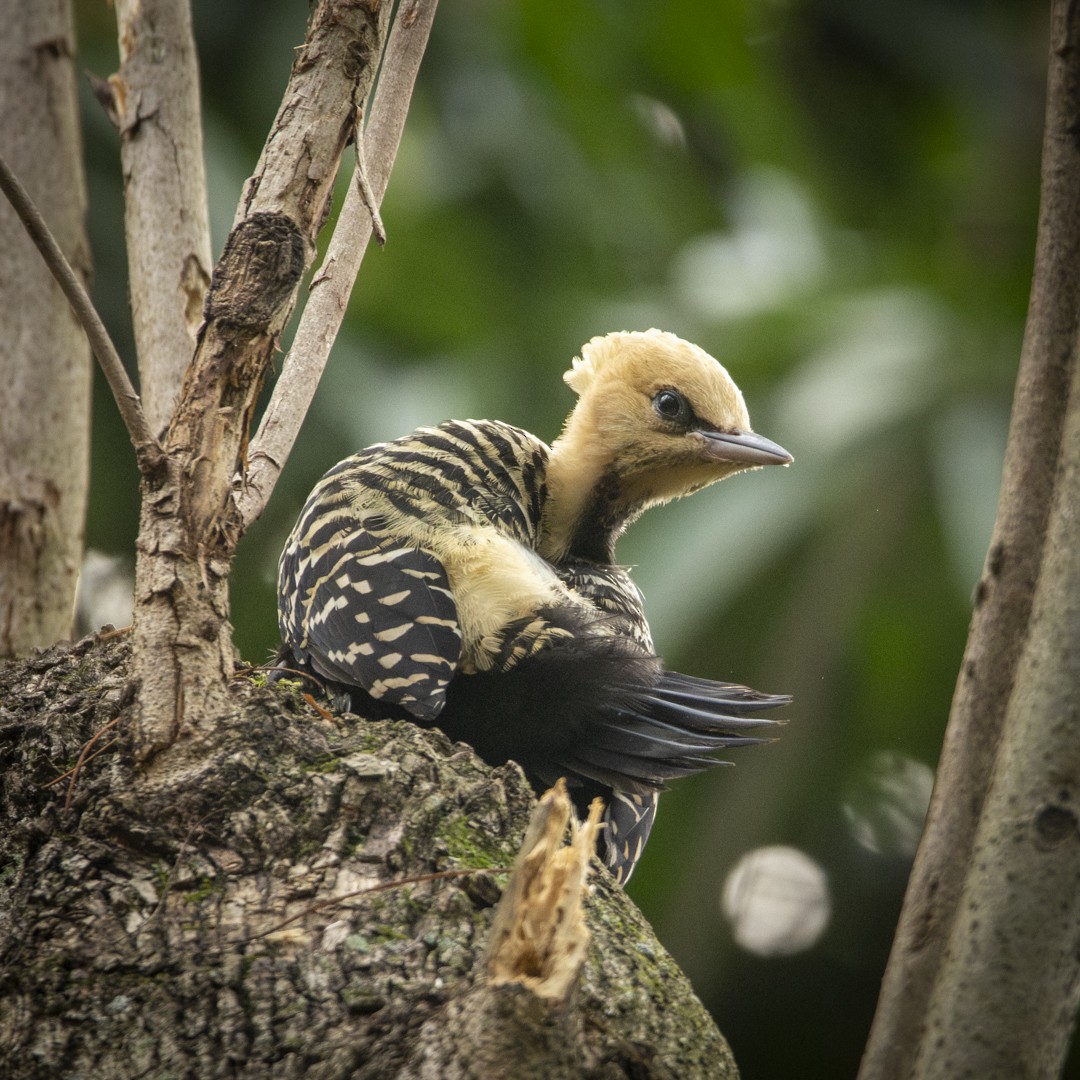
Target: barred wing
{"type": "Point", "coordinates": [363, 598]}
{"type": "Point", "coordinates": [371, 611]}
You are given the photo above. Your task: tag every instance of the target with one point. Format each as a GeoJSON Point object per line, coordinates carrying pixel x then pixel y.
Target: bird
{"type": "Point", "coordinates": [464, 577]}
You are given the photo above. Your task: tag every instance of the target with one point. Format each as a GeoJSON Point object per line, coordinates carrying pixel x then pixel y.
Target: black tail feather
{"type": "Point", "coordinates": [674, 686]}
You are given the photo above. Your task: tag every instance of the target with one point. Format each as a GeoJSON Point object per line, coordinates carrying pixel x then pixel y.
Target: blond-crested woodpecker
{"type": "Point", "coordinates": [464, 576]}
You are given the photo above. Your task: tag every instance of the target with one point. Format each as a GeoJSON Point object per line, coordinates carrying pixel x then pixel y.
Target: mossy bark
{"type": "Point", "coordinates": [308, 896]}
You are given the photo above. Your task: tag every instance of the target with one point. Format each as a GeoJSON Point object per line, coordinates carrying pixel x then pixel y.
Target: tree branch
{"type": "Point", "coordinates": [254, 288]}
{"type": "Point", "coordinates": [147, 449]}
{"type": "Point", "coordinates": [47, 367]}
{"type": "Point", "coordinates": [189, 526]}
{"type": "Point", "coordinates": [333, 284]}
{"type": "Point", "coordinates": [166, 222]}
{"type": "Point", "coordinates": [539, 937]}
{"type": "Point", "coordinates": [1003, 612]}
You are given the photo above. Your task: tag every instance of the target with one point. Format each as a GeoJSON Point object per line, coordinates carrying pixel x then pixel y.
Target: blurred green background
{"type": "Point", "coordinates": [836, 199]}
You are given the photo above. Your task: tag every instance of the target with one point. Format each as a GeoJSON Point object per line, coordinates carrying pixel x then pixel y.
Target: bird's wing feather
{"type": "Point", "coordinates": [376, 613]}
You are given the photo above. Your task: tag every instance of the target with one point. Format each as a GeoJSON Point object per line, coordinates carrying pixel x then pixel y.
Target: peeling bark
{"type": "Point", "coordinates": [189, 525]}
{"type": "Point", "coordinates": [332, 284]}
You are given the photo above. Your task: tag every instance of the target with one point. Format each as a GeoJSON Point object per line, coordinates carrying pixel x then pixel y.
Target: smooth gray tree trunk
{"type": "Point", "coordinates": [44, 357]}
{"type": "Point", "coordinates": [984, 971]}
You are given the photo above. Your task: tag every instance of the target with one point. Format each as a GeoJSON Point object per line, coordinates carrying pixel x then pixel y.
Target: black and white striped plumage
{"type": "Point", "coordinates": [463, 575]}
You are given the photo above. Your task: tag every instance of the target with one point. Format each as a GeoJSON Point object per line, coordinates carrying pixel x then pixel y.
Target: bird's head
{"type": "Point", "coordinates": [656, 418]}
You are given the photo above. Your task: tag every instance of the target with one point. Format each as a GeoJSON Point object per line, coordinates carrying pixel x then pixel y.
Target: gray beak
{"type": "Point", "coordinates": [744, 448]}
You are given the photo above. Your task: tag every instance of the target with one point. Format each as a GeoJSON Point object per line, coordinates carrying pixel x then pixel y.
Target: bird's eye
{"type": "Point", "coordinates": [670, 405]}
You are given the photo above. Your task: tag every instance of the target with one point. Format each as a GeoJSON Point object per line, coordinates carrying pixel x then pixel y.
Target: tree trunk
{"type": "Point", "coordinates": [311, 898]}
{"type": "Point", "coordinates": [45, 392]}
{"type": "Point", "coordinates": [1005, 1000]}
{"type": "Point", "coordinates": [924, 967]}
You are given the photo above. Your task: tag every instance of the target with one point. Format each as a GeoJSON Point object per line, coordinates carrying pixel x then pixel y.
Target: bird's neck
{"type": "Point", "coordinates": [587, 506]}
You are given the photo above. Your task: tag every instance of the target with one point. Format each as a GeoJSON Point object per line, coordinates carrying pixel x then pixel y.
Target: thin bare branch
{"type": "Point", "coordinates": [363, 182]}
{"type": "Point", "coordinates": [146, 446]}
{"type": "Point", "coordinates": [333, 283]}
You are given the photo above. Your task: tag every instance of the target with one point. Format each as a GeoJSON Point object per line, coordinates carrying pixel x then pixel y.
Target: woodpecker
{"type": "Point", "coordinates": [465, 576]}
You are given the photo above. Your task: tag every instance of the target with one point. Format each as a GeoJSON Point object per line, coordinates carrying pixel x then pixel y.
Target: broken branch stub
{"type": "Point", "coordinates": [539, 938]}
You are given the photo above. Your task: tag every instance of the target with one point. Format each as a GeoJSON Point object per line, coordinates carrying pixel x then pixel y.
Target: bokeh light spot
{"type": "Point", "coordinates": [777, 901]}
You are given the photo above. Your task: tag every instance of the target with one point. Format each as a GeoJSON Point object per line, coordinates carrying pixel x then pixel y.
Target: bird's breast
{"type": "Point", "coordinates": [495, 581]}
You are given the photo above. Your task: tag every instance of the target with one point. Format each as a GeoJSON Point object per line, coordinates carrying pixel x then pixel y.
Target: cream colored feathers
{"type": "Point", "coordinates": [655, 359]}
{"type": "Point", "coordinates": [616, 437]}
